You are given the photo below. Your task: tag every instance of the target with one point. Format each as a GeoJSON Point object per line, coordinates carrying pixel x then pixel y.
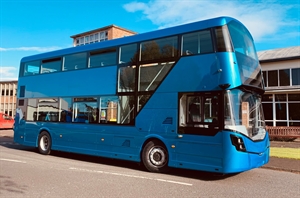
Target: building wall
{"type": "Point", "coordinates": [281, 101]}
{"type": "Point", "coordinates": [8, 93]}
{"type": "Point", "coordinates": [118, 33]}
{"type": "Point", "coordinates": [101, 34]}
{"type": "Point", "coordinates": [281, 64]}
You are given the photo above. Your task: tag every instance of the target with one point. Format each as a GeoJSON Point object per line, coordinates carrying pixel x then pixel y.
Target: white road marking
{"type": "Point", "coordinates": [134, 176]}
{"type": "Point", "coordinates": [12, 160]}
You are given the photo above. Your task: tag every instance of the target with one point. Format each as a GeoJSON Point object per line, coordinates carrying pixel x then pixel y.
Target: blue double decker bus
{"type": "Point", "coordinates": [185, 97]}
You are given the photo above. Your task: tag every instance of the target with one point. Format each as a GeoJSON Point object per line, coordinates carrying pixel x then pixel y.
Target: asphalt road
{"type": "Point", "coordinates": [25, 173]}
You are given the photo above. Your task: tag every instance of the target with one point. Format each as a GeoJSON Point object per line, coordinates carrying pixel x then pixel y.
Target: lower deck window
{"type": "Point", "coordinates": [107, 109]}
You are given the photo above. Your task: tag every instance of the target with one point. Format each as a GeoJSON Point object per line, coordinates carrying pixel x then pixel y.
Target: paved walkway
{"type": "Point", "coordinates": [284, 164]}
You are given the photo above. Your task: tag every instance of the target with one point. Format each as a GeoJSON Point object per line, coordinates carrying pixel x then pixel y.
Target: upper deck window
{"type": "Point", "coordinates": [51, 65]}
{"type": "Point", "coordinates": [151, 75]}
{"type": "Point", "coordinates": [102, 58]}
{"type": "Point", "coordinates": [159, 49]}
{"type": "Point", "coordinates": [197, 43]}
{"type": "Point", "coordinates": [126, 78]}
{"type": "Point", "coordinates": [75, 61]}
{"type": "Point", "coordinates": [223, 39]}
{"type": "Point", "coordinates": [128, 53]}
{"type": "Point", "coordinates": [32, 68]}
{"type": "Point", "coordinates": [250, 71]}
{"type": "Point", "coordinates": [242, 40]}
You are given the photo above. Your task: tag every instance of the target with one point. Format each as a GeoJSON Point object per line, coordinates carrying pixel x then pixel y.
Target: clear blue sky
{"type": "Point", "coordinates": [30, 27]}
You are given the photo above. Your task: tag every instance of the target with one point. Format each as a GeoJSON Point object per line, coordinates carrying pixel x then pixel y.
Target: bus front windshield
{"type": "Point", "coordinates": [243, 114]}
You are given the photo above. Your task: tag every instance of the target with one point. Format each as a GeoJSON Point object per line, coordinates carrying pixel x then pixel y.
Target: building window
{"type": "Point", "coordinates": [272, 78]}
{"type": "Point", "coordinates": [103, 36]}
{"type": "Point", "coordinates": [92, 38]}
{"type": "Point", "coordinates": [97, 37]}
{"type": "Point", "coordinates": [282, 77]}
{"type": "Point", "coordinates": [282, 109]}
{"type": "Point", "coordinates": [81, 41]}
{"type": "Point", "coordinates": [296, 76]}
{"type": "Point", "coordinates": [86, 39]}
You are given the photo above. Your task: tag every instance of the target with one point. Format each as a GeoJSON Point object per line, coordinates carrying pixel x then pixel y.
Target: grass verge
{"type": "Point", "coordinates": [292, 153]}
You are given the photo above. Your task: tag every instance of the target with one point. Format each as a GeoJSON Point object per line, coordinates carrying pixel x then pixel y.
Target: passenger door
{"type": "Point", "coordinates": [199, 140]}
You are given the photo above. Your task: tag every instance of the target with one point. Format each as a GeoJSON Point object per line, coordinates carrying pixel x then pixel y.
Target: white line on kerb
{"type": "Point", "coordinates": [11, 160]}
{"type": "Point", "coordinates": [134, 176]}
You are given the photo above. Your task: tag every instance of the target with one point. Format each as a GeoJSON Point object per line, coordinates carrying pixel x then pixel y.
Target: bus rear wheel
{"type": "Point", "coordinates": [44, 144]}
{"type": "Point", "coordinates": [155, 157]}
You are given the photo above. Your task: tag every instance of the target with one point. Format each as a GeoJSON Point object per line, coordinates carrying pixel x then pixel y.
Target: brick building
{"type": "Point", "coordinates": [8, 91]}
{"type": "Point", "coordinates": [100, 34]}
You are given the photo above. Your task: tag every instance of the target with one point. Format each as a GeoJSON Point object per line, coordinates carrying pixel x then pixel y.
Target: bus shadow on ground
{"type": "Point", "coordinates": [200, 175]}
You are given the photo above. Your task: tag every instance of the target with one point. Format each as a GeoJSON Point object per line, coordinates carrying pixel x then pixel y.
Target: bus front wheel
{"type": "Point", "coordinates": [155, 157]}
{"type": "Point", "coordinates": [44, 144]}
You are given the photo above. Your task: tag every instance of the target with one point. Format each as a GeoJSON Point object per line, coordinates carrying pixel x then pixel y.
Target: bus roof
{"type": "Point", "coordinates": [220, 21]}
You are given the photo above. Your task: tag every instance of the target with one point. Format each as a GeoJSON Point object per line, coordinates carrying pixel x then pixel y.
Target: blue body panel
{"type": "Point", "coordinates": [189, 75]}
{"type": "Point", "coordinates": [236, 161]}
{"type": "Point", "coordinates": [158, 118]}
{"type": "Point", "coordinates": [78, 82]}
{"type": "Point", "coordinates": [206, 153]}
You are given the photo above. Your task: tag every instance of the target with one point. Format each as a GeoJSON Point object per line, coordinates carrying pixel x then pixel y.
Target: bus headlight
{"type": "Point", "coordinates": [238, 143]}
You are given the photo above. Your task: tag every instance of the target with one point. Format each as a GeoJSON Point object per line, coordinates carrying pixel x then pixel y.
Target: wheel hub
{"type": "Point", "coordinates": [157, 156]}
{"type": "Point", "coordinates": [44, 143]}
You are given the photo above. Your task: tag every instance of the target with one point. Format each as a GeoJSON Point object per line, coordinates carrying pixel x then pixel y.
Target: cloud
{"type": "Point", "coordinates": [262, 18]}
{"type": "Point", "coordinates": [38, 49]}
{"type": "Point", "coordinates": [8, 73]}
{"type": "Point", "coordinates": [135, 6]}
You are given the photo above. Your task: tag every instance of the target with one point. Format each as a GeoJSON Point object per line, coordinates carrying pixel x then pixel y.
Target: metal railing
{"type": "Point", "coordinates": [283, 131]}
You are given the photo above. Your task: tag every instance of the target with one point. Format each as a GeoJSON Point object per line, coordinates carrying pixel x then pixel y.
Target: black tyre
{"type": "Point", "coordinates": [155, 157]}
{"type": "Point", "coordinates": [44, 144]}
